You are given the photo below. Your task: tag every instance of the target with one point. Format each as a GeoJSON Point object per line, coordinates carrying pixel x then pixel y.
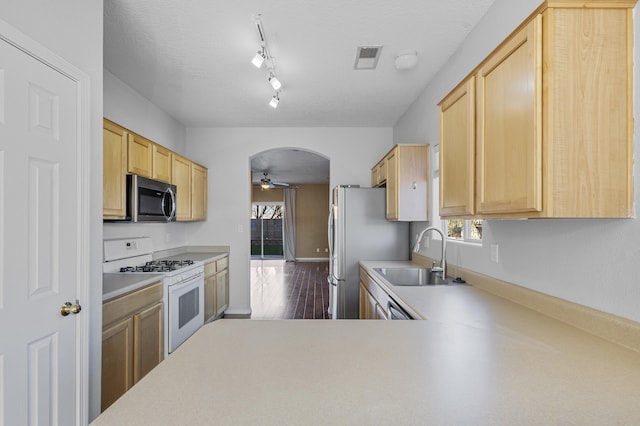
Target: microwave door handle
{"type": "Point", "coordinates": [164, 202]}
{"type": "Point", "coordinates": [173, 204]}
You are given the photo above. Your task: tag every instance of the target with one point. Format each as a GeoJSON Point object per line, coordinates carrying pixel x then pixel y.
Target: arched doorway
{"type": "Point", "coordinates": [290, 202]}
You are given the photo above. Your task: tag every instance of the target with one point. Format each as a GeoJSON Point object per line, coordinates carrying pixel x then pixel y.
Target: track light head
{"type": "Point", "coordinates": [275, 83]}
{"type": "Point", "coordinates": [258, 60]}
{"type": "Point", "coordinates": [274, 101]}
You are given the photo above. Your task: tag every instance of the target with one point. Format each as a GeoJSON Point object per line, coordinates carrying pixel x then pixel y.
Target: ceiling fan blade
{"type": "Point", "coordinates": [280, 183]}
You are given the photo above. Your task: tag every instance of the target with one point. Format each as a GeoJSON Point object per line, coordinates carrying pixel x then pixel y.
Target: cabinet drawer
{"type": "Point", "coordinates": [130, 303]}
{"type": "Point", "coordinates": [209, 269]}
{"type": "Point", "coordinates": [222, 264]}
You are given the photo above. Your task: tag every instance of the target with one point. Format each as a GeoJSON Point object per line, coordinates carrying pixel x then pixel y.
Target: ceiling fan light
{"type": "Point", "coordinates": [265, 185]}
{"type": "Point", "coordinates": [258, 60]}
{"type": "Point", "coordinates": [274, 101]}
{"type": "Point", "coordinates": [275, 83]}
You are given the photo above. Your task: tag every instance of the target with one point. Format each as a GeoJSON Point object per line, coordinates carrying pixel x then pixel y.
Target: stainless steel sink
{"type": "Point", "coordinates": [412, 276]}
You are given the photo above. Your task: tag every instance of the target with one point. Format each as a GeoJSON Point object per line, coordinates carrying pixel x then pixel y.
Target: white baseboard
{"type": "Point", "coordinates": [312, 259]}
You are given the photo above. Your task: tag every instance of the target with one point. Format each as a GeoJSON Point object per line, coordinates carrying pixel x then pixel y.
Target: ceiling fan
{"type": "Point", "coordinates": [266, 183]}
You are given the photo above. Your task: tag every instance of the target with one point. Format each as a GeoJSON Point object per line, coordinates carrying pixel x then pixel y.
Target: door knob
{"type": "Point", "coordinates": [69, 308]}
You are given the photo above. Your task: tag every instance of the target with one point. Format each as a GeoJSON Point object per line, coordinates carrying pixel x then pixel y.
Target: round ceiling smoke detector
{"type": "Point", "coordinates": [406, 60]}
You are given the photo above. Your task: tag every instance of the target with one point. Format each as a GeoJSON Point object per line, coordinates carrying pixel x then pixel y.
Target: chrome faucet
{"type": "Point", "coordinates": [443, 260]}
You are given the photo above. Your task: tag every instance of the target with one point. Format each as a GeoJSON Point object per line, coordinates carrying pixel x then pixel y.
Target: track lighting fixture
{"type": "Point", "coordinates": [258, 60]}
{"type": "Point", "coordinates": [274, 101]}
{"type": "Point", "coordinates": [264, 57]}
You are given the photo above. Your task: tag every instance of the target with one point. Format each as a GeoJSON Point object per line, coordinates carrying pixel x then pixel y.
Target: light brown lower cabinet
{"type": "Point", "coordinates": [132, 340]}
{"type": "Point", "coordinates": [216, 288]}
{"type": "Point", "coordinates": [373, 299]}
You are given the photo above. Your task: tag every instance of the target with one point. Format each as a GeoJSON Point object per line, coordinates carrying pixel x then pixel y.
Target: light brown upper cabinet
{"type": "Point", "coordinates": [181, 178]}
{"type": "Point", "coordinates": [198, 192]}
{"type": "Point", "coordinates": [407, 172]}
{"type": "Point", "coordinates": [554, 118]}
{"type": "Point", "coordinates": [148, 159]}
{"type": "Point", "coordinates": [114, 205]}
{"type": "Point", "coordinates": [190, 180]}
{"type": "Point", "coordinates": [140, 156]}
{"type": "Point", "coordinates": [161, 163]}
{"type": "Point", "coordinates": [379, 173]}
{"type": "Point", "coordinates": [457, 154]}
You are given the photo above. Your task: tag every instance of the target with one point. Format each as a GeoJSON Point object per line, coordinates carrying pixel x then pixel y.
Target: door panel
{"type": "Point", "coordinates": [40, 226]}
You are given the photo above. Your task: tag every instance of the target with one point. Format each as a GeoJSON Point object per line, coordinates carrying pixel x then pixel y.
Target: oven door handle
{"type": "Point", "coordinates": [186, 283]}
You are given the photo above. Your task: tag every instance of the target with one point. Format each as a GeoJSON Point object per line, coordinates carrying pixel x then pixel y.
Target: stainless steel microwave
{"type": "Point", "coordinates": [150, 200]}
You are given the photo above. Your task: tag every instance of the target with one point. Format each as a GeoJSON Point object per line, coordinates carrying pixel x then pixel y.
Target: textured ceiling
{"type": "Point", "coordinates": [192, 58]}
{"type": "Point", "coordinates": [291, 166]}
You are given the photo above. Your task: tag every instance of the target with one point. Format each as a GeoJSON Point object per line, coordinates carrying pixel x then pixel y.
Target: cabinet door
{"type": "Point", "coordinates": [117, 361]}
{"type": "Point", "coordinates": [209, 297]}
{"type": "Point", "coordinates": [362, 302]}
{"type": "Point", "coordinates": [181, 178]}
{"type": "Point", "coordinates": [140, 156]}
{"type": "Point", "coordinates": [198, 192]}
{"type": "Point", "coordinates": [222, 291]}
{"type": "Point", "coordinates": [148, 341]}
{"type": "Point", "coordinates": [368, 304]}
{"type": "Point", "coordinates": [457, 151]}
{"type": "Point", "coordinates": [392, 185]}
{"type": "Point", "coordinates": [114, 145]}
{"type": "Point", "coordinates": [509, 90]}
{"type": "Point", "coordinates": [161, 163]}
{"type": "Point", "coordinates": [381, 314]}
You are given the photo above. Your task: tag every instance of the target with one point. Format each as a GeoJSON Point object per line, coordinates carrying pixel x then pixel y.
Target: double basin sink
{"type": "Point", "coordinates": [413, 276]}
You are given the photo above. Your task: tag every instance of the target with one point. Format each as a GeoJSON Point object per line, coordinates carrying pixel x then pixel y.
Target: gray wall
{"type": "Point", "coordinates": [590, 262]}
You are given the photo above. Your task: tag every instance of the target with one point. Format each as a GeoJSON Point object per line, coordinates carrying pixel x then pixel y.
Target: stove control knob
{"type": "Point", "coordinates": [69, 308]}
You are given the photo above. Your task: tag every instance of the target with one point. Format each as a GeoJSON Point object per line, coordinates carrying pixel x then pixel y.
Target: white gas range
{"type": "Point", "coordinates": [183, 285]}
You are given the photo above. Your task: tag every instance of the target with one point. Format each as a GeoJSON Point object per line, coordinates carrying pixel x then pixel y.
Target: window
{"type": "Point", "coordinates": [464, 230]}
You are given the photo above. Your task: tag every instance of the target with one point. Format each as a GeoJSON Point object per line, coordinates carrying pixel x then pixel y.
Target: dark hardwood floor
{"type": "Point", "coordinates": [289, 290]}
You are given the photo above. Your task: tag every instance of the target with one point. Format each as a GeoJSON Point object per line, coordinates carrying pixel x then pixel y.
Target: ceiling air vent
{"type": "Point", "coordinates": [367, 57]}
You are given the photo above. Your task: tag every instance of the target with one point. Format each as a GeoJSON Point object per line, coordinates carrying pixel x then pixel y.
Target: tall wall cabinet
{"type": "Point", "coordinates": [546, 120]}
{"type": "Point", "coordinates": [128, 153]}
{"type": "Point", "coordinates": [404, 171]}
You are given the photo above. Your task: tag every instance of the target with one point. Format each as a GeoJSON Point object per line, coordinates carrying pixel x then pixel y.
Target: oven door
{"type": "Point", "coordinates": [186, 310]}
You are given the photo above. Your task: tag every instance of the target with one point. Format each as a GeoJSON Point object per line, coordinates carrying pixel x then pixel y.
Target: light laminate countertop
{"type": "Point", "coordinates": [493, 363]}
{"type": "Point", "coordinates": [118, 283]}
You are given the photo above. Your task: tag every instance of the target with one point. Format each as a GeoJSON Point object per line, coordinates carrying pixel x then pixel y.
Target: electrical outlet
{"type": "Point", "coordinates": [318, 250]}
{"type": "Point", "coordinates": [240, 228]}
{"type": "Point", "coordinates": [494, 253]}
{"type": "Point", "coordinates": [326, 250]}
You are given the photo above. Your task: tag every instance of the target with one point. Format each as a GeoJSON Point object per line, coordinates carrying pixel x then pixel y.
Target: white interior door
{"type": "Point", "coordinates": [41, 220]}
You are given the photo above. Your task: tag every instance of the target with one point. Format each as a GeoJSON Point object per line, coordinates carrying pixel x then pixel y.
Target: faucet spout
{"type": "Point", "coordinates": [443, 254]}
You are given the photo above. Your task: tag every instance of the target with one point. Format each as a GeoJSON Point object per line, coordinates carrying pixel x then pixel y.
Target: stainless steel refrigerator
{"type": "Point", "coordinates": [358, 230]}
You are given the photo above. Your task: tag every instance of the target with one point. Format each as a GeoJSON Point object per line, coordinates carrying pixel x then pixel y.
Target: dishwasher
{"type": "Point", "coordinates": [396, 312]}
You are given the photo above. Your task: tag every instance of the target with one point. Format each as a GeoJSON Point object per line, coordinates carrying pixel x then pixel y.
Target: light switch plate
{"type": "Point", "coordinates": [494, 253]}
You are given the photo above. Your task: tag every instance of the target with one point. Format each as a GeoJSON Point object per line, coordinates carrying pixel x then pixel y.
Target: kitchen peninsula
{"type": "Point", "coordinates": [494, 362]}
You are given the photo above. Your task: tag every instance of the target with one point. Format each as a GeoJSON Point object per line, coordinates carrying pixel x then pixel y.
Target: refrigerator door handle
{"type": "Point", "coordinates": [333, 280]}
{"type": "Point", "coordinates": [330, 231]}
